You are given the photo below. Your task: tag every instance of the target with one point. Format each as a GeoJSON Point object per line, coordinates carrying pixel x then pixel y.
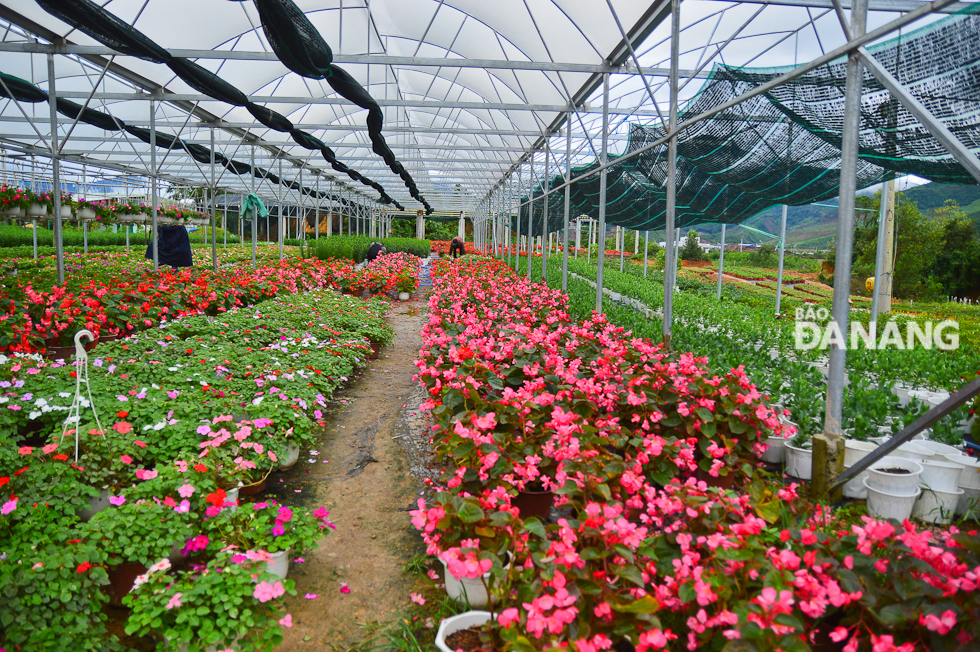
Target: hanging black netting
{"type": "Point", "coordinates": [784, 147]}
{"type": "Point", "coordinates": [294, 39]}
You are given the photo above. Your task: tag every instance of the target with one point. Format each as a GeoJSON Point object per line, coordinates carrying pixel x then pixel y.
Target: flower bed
{"type": "Point", "coordinates": [524, 397]}
{"type": "Point", "coordinates": [189, 411]}
{"type": "Point", "coordinates": [441, 247]}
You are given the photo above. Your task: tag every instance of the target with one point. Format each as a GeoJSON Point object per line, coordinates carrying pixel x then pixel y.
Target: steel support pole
{"type": "Point", "coordinates": [721, 259]}
{"type": "Point", "coordinates": [782, 254]}
{"type": "Point", "coordinates": [153, 185]}
{"type": "Point", "coordinates": [214, 215]}
{"type": "Point", "coordinates": [601, 234]}
{"type": "Point", "coordinates": [84, 224]}
{"type": "Point", "coordinates": [828, 446]}
{"type": "Point", "coordinates": [59, 245]}
{"type": "Point", "coordinates": [568, 199]}
{"type": "Point", "coordinates": [646, 252]}
{"type": "Point", "coordinates": [33, 184]}
{"type": "Point", "coordinates": [671, 252]}
{"type": "Point", "coordinates": [545, 236]}
{"type": "Point", "coordinates": [520, 187]}
{"type": "Point", "coordinates": [530, 217]}
{"type": "Point", "coordinates": [621, 241]}
{"type": "Point", "coordinates": [255, 214]}
{"type": "Point", "coordinates": [879, 253]}
{"type": "Point", "coordinates": [281, 220]}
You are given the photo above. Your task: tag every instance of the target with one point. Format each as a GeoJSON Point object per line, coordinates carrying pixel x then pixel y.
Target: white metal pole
{"type": "Point", "coordinates": [153, 185]}
{"type": "Point", "coordinates": [782, 251]}
{"type": "Point", "coordinates": [59, 245]}
{"type": "Point", "coordinates": [601, 230]}
{"type": "Point", "coordinates": [721, 259]}
{"type": "Point", "coordinates": [545, 234]}
{"type": "Point", "coordinates": [675, 24]}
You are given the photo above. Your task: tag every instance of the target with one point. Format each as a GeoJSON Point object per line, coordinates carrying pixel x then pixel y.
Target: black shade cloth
{"type": "Point", "coordinates": [174, 245]}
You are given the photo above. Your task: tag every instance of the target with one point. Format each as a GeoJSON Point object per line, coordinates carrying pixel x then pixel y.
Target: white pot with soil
{"type": "Point", "coordinates": [885, 504]}
{"type": "Point", "coordinates": [458, 623]}
{"type": "Point", "coordinates": [776, 451]}
{"type": "Point", "coordinates": [799, 461]}
{"type": "Point", "coordinates": [935, 506]}
{"type": "Point", "coordinates": [895, 476]}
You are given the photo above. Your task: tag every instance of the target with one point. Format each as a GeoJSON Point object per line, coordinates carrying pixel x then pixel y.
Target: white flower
{"type": "Point", "coordinates": [64, 394]}
{"type": "Point", "coordinates": [41, 402]}
{"type": "Point", "coordinates": [3, 399]}
{"type": "Point", "coordinates": [33, 415]}
{"type": "Point", "coordinates": [160, 426]}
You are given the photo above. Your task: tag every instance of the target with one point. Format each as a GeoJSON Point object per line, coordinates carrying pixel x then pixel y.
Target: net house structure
{"type": "Point", "coordinates": [515, 114]}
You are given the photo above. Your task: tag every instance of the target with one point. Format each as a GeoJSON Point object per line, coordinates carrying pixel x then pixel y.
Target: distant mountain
{"type": "Point", "coordinates": [815, 226]}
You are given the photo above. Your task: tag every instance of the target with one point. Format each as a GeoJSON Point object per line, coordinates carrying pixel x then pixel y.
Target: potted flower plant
{"type": "Point", "coordinates": [242, 602]}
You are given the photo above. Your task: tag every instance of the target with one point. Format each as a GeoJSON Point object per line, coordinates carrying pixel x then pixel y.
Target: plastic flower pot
{"type": "Point", "coordinates": [970, 477]}
{"type": "Point", "coordinates": [250, 489]}
{"type": "Point", "coordinates": [911, 451]}
{"type": "Point", "coordinates": [289, 460]}
{"type": "Point", "coordinates": [969, 501]}
{"type": "Point", "coordinates": [941, 476]}
{"type": "Point", "coordinates": [404, 296]}
{"type": "Point", "coordinates": [776, 451]}
{"type": "Point", "coordinates": [854, 488]}
{"type": "Point", "coordinates": [855, 451]}
{"type": "Point", "coordinates": [534, 503]}
{"type": "Point", "coordinates": [458, 622]}
{"type": "Point", "coordinates": [937, 450]}
{"type": "Point", "coordinates": [935, 506]}
{"type": "Point", "coordinates": [231, 496]}
{"type": "Point", "coordinates": [467, 589]}
{"type": "Point", "coordinates": [903, 481]}
{"type": "Point", "coordinates": [95, 505]}
{"type": "Point", "coordinates": [279, 566]}
{"type": "Point", "coordinates": [86, 214]}
{"type": "Point", "coordinates": [37, 210]}
{"type": "Point", "coordinates": [799, 462]}
{"type": "Point", "coordinates": [121, 580]}
{"type": "Point", "coordinates": [884, 504]}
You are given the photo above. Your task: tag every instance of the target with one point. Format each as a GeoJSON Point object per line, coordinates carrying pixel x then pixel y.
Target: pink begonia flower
{"type": "Point", "coordinates": [117, 500]}
{"type": "Point", "coordinates": [299, 560]}
{"type": "Point", "coordinates": [434, 576]}
{"type": "Point", "coordinates": [143, 474]}
{"type": "Point", "coordinates": [265, 591]}
{"type": "Point", "coordinates": [286, 621]}
{"type": "Point", "coordinates": [126, 459]}
{"type": "Point", "coordinates": [174, 601]}
{"type": "Point", "coordinates": [8, 506]}
{"type": "Point", "coordinates": [185, 491]}
{"type": "Point", "coordinates": [204, 430]}
{"type": "Point", "coordinates": [941, 625]}
{"type": "Point", "coordinates": [508, 617]}
{"type": "Point", "coordinates": [169, 502]}
{"type": "Point", "coordinates": [310, 596]}
{"type": "Point", "coordinates": [838, 634]}
{"type": "Point", "coordinates": [262, 422]}
{"type": "Point", "coordinates": [417, 599]}
{"type": "Point", "coordinates": [183, 507]}
{"type": "Point", "coordinates": [50, 448]}
{"type": "Point", "coordinates": [344, 588]}
{"type": "Point", "coordinates": [122, 428]}
{"type": "Point", "coordinates": [141, 444]}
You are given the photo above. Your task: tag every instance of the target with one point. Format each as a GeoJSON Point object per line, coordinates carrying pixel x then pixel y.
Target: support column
{"type": "Point", "coordinates": [601, 234]}
{"type": "Point", "coordinates": [646, 252]}
{"type": "Point", "coordinates": [621, 243]}
{"type": "Point", "coordinates": [530, 218]}
{"type": "Point", "coordinates": [59, 245]}
{"type": "Point", "coordinates": [84, 224]}
{"type": "Point", "coordinates": [884, 295]}
{"type": "Point", "coordinates": [568, 188]}
{"type": "Point", "coordinates": [828, 446]}
{"type": "Point", "coordinates": [282, 220]}
{"type": "Point", "coordinates": [545, 235]}
{"type": "Point", "coordinates": [670, 254]}
{"type": "Point", "coordinates": [520, 187]}
{"type": "Point", "coordinates": [153, 185]}
{"type": "Point", "coordinates": [214, 213]}
{"type": "Point", "coordinates": [721, 260]}
{"type": "Point", "coordinates": [255, 214]}
{"type": "Point", "coordinates": [782, 253]}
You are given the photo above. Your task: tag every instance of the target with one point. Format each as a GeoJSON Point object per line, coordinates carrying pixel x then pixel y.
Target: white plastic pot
{"type": "Point", "coordinates": [937, 450]}
{"type": "Point", "coordinates": [799, 462]}
{"type": "Point", "coordinates": [970, 477]}
{"type": "Point", "coordinates": [232, 496]}
{"type": "Point", "coordinates": [941, 476]}
{"type": "Point", "coordinates": [455, 623]}
{"type": "Point", "coordinates": [404, 296]}
{"type": "Point", "coordinates": [279, 566]}
{"type": "Point", "coordinates": [969, 501]}
{"type": "Point", "coordinates": [290, 458]}
{"type": "Point", "coordinates": [854, 488]}
{"type": "Point", "coordinates": [884, 504]}
{"type": "Point", "coordinates": [936, 506]}
{"type": "Point", "coordinates": [855, 451]}
{"type": "Point", "coordinates": [896, 484]}
{"type": "Point", "coordinates": [911, 451]}
{"type": "Point", "coordinates": [776, 451]}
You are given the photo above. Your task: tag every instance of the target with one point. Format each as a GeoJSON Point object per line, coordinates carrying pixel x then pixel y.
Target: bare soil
{"type": "Point", "coordinates": [361, 470]}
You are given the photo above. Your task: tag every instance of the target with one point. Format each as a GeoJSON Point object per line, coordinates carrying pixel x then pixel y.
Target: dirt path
{"type": "Point", "coordinates": [361, 472]}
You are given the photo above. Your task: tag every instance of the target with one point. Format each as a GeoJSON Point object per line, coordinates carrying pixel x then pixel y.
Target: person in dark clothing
{"type": "Point", "coordinates": [456, 248]}
{"type": "Point", "coordinates": [375, 250]}
{"type": "Point", "coordinates": [174, 247]}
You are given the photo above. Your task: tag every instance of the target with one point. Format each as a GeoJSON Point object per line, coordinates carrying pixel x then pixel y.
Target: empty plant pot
{"type": "Point", "coordinates": [937, 450]}
{"type": "Point", "coordinates": [884, 504]}
{"type": "Point", "coordinates": [855, 451]}
{"type": "Point", "coordinates": [895, 475]}
{"type": "Point", "coordinates": [936, 506]}
{"type": "Point", "coordinates": [970, 477]}
{"type": "Point", "coordinates": [776, 451]}
{"type": "Point", "coordinates": [941, 476]}
{"type": "Point", "coordinates": [969, 501]}
{"type": "Point", "coordinates": [799, 462]}
{"type": "Point", "coordinates": [854, 488]}
{"type": "Point", "coordinates": [459, 622]}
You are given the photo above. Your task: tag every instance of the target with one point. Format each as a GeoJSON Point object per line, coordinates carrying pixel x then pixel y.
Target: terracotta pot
{"type": "Point", "coordinates": [375, 350]}
{"type": "Point", "coordinates": [252, 489]}
{"type": "Point", "coordinates": [65, 352]}
{"type": "Point", "coordinates": [347, 291]}
{"type": "Point", "coordinates": [534, 503]}
{"type": "Point", "coordinates": [121, 580]}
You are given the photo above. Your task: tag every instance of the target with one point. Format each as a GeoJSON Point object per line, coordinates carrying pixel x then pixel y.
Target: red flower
{"type": "Point", "coordinates": [60, 458]}
{"type": "Point", "coordinates": [217, 498]}
{"type": "Point", "coordinates": [122, 414]}
{"type": "Point", "coordinates": [190, 350]}
{"type": "Point", "coordinates": [84, 566]}
{"type": "Point", "coordinates": [200, 468]}
{"type": "Point", "coordinates": [21, 471]}
{"type": "Point", "coordinates": [4, 481]}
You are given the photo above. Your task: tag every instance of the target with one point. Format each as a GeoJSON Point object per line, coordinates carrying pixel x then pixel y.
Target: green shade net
{"type": "Point", "coordinates": [783, 147]}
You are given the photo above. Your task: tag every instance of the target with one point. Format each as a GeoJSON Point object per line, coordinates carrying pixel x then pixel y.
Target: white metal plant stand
{"type": "Point", "coordinates": [81, 377]}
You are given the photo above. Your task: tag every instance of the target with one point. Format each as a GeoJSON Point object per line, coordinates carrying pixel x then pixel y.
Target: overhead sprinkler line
{"type": "Point", "coordinates": [109, 30]}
